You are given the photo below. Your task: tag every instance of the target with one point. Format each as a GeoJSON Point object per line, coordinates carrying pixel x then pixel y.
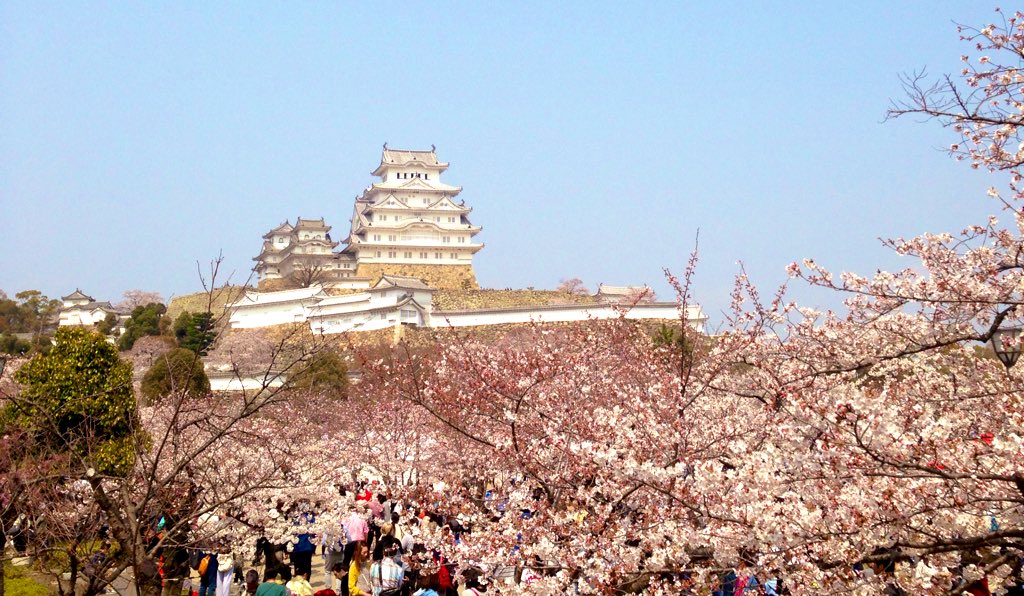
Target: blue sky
{"type": "Point", "coordinates": [592, 139]}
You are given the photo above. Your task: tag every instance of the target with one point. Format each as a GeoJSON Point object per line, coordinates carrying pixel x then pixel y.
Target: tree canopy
{"type": "Point", "coordinates": [144, 320]}
{"type": "Point", "coordinates": [179, 370]}
{"type": "Point", "coordinates": [195, 331]}
{"type": "Point", "coordinates": [30, 312]}
{"type": "Point", "coordinates": [79, 398]}
{"type": "Point", "coordinates": [325, 373]}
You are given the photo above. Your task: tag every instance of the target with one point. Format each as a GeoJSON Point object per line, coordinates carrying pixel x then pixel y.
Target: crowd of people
{"type": "Point", "coordinates": [373, 552]}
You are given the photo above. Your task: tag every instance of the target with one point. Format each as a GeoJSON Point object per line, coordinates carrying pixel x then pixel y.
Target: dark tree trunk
{"type": "Point", "coordinates": [147, 578]}
{"type": "Point", "coordinates": [3, 549]}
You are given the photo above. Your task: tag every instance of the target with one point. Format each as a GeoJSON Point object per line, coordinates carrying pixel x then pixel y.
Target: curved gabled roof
{"type": "Point", "coordinates": [408, 157]}
{"type": "Point", "coordinates": [78, 295]}
{"type": "Point", "coordinates": [284, 228]}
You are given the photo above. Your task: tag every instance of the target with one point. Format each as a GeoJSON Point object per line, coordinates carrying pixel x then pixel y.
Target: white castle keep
{"type": "Point", "coordinates": [408, 218]}
{"type": "Point", "coordinates": [409, 237]}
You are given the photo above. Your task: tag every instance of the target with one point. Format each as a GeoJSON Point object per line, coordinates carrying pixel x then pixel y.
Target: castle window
{"type": "Point", "coordinates": [392, 254]}
{"type": "Point", "coordinates": [453, 256]}
{"type": "Point", "coordinates": [408, 255]}
{"type": "Point", "coordinates": [437, 255]}
{"type": "Point", "coordinates": [376, 237]}
{"type": "Point", "coordinates": [446, 239]}
{"type": "Point", "coordinates": [392, 238]}
{"type": "Point", "coordinates": [426, 176]}
{"type": "Point", "coordinates": [451, 220]}
{"type": "Point", "coordinates": [280, 239]}
{"type": "Point", "coordinates": [423, 255]}
{"type": "Point", "coordinates": [378, 253]}
{"type": "Point", "coordinates": [382, 218]}
{"type": "Point", "coordinates": [462, 238]}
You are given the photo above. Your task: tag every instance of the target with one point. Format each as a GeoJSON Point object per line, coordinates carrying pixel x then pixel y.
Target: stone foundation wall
{"type": "Point", "coordinates": [459, 277]}
{"type": "Point", "coordinates": [274, 285]}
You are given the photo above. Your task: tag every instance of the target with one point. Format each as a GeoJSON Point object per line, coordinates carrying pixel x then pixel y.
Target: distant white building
{"type": "Point", "coordinates": [624, 294]}
{"type": "Point", "coordinates": [409, 218]}
{"type": "Point", "coordinates": [82, 310]}
{"type": "Point", "coordinates": [391, 301]}
{"type": "Point", "coordinates": [303, 254]}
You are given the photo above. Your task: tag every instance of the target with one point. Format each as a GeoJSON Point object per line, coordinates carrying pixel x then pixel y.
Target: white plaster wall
{"type": "Point", "coordinates": [583, 313]}
{"type": "Point", "coordinates": [249, 316]}
{"type": "Point", "coordinates": [222, 382]}
{"type": "Point", "coordinates": [340, 323]}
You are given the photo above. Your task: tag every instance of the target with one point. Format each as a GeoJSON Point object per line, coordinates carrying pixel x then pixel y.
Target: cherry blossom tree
{"type": "Point", "coordinates": [572, 285]}
{"type": "Point", "coordinates": [133, 299]}
{"type": "Point", "coordinates": [844, 451]}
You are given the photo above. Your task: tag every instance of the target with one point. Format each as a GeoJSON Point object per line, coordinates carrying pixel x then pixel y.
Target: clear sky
{"type": "Point", "coordinates": [592, 139]}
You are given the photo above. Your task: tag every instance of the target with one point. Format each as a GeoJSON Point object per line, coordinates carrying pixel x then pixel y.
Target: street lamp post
{"type": "Point", "coordinates": [1005, 342]}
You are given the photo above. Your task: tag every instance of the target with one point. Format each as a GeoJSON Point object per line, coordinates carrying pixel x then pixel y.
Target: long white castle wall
{"type": "Point", "coordinates": [380, 310]}
{"type": "Point", "coordinates": [563, 314]}
{"type": "Point", "coordinates": [222, 381]}
{"type": "Point", "coordinates": [363, 312]}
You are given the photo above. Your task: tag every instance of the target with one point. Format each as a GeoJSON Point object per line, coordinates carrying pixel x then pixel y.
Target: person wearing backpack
{"type": "Point", "coordinates": [207, 568]}
{"type": "Point", "coordinates": [386, 575]}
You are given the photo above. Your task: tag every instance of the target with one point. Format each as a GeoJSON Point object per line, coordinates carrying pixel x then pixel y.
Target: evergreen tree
{"type": "Point", "coordinates": [194, 331]}
{"type": "Point", "coordinates": [145, 320]}
{"type": "Point", "coordinates": [180, 370]}
{"type": "Point", "coordinates": [79, 398]}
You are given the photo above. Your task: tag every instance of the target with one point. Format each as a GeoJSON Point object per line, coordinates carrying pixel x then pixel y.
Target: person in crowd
{"type": "Point", "coordinates": [252, 581]}
{"type": "Point", "coordinates": [225, 571]}
{"type": "Point", "coordinates": [386, 576]}
{"type": "Point", "coordinates": [376, 507]}
{"type": "Point", "coordinates": [473, 587]}
{"type": "Point", "coordinates": [299, 584]}
{"type": "Point", "coordinates": [339, 576]}
{"type": "Point", "coordinates": [272, 555]}
{"type": "Point", "coordinates": [302, 552]}
{"type": "Point", "coordinates": [272, 586]}
{"type": "Point", "coordinates": [428, 586]}
{"type": "Point", "coordinates": [207, 568]}
{"type": "Point", "coordinates": [357, 530]}
{"type": "Point", "coordinates": [359, 572]}
{"type": "Point", "coordinates": [332, 545]}
{"type": "Point", "coordinates": [386, 539]}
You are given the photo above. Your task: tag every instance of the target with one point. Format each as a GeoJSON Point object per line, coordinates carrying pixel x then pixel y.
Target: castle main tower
{"type": "Point", "coordinates": [410, 223]}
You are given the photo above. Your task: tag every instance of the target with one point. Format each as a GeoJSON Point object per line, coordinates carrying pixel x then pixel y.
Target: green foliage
{"type": "Point", "coordinates": [10, 344]}
{"type": "Point", "coordinates": [675, 340]}
{"type": "Point", "coordinates": [145, 320]}
{"type": "Point", "coordinates": [18, 582]}
{"type": "Point", "coordinates": [195, 331]}
{"type": "Point", "coordinates": [29, 312]}
{"type": "Point", "coordinates": [176, 371]}
{"type": "Point", "coordinates": [79, 398]}
{"type": "Point", "coordinates": [106, 326]}
{"type": "Point", "coordinates": [325, 372]}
